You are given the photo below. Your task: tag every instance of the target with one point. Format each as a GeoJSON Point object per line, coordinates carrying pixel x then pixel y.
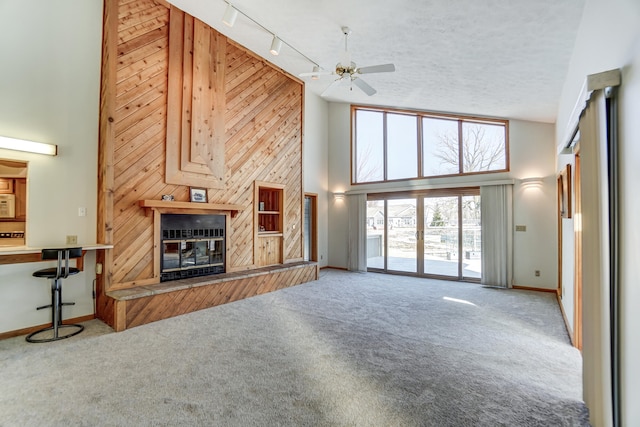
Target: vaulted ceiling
{"type": "Point", "coordinates": [492, 58]}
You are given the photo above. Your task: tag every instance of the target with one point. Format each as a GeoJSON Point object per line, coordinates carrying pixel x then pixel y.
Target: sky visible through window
{"type": "Point", "coordinates": [449, 146]}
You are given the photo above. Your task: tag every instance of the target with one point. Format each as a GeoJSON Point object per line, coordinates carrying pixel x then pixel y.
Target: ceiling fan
{"type": "Point", "coordinates": [348, 71]}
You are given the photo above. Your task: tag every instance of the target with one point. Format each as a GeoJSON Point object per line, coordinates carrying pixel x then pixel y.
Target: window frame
{"type": "Point", "coordinates": [460, 119]}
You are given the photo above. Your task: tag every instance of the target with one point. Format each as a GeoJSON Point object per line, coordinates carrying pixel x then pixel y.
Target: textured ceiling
{"type": "Point", "coordinates": [494, 58]}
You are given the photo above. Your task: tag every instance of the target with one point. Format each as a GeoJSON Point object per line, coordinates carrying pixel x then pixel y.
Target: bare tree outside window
{"type": "Point", "coordinates": [483, 147]}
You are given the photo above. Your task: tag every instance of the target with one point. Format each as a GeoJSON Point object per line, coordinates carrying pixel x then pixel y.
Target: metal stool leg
{"type": "Point", "coordinates": [56, 316]}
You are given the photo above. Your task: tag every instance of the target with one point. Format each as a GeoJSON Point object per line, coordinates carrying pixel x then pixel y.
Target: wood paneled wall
{"type": "Point", "coordinates": [262, 141]}
{"type": "Point", "coordinates": [132, 312]}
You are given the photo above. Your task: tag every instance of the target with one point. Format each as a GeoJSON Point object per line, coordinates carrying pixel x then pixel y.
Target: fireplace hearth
{"type": "Point", "coordinates": [192, 245]}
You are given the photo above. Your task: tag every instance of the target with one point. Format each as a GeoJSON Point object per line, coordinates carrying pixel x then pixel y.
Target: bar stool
{"type": "Point", "coordinates": [56, 274]}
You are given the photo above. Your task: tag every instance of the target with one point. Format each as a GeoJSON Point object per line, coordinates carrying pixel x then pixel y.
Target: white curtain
{"type": "Point", "coordinates": [357, 251]}
{"type": "Point", "coordinates": [497, 235]}
{"type": "Point", "coordinates": [594, 223]}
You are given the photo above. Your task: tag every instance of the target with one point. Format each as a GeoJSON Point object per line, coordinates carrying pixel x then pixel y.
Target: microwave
{"type": "Point", "coordinates": [7, 206]}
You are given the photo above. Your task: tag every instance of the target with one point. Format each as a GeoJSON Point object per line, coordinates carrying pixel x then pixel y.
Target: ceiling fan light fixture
{"type": "Point", "coordinates": [230, 15]}
{"type": "Point", "coordinates": [276, 45]}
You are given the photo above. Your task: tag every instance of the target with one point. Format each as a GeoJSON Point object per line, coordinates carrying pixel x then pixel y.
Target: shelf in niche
{"type": "Point", "coordinates": [270, 233]}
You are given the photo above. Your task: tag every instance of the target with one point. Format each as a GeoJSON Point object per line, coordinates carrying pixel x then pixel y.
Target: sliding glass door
{"type": "Point", "coordinates": [441, 246]}
{"type": "Point", "coordinates": [402, 233]}
{"type": "Point", "coordinates": [471, 237]}
{"type": "Point", "coordinates": [430, 233]}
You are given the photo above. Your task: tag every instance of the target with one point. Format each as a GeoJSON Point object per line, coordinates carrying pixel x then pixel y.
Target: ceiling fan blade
{"type": "Point", "coordinates": [365, 87]}
{"type": "Point", "coordinates": [335, 83]}
{"type": "Point", "coordinates": [383, 68]}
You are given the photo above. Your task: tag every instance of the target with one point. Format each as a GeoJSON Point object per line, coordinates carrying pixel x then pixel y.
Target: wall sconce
{"type": "Point", "coordinates": [534, 182]}
{"type": "Point", "coordinates": [28, 146]}
{"type": "Point", "coordinates": [338, 195]}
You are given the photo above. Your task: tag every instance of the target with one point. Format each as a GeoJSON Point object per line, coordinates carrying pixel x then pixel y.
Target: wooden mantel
{"type": "Point", "coordinates": [189, 207]}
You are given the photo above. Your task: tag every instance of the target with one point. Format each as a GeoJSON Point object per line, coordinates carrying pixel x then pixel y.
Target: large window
{"type": "Point", "coordinates": [393, 145]}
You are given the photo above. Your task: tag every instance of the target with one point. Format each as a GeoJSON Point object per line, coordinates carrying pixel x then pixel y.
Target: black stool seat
{"type": "Point", "coordinates": [52, 273]}
{"type": "Point", "coordinates": [56, 274]}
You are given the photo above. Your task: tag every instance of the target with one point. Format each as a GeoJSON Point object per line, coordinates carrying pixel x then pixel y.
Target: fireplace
{"type": "Point", "coordinates": [191, 245]}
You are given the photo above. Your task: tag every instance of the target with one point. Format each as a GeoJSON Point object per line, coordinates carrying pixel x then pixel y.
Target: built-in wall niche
{"type": "Point", "coordinates": [269, 220]}
{"type": "Point", "coordinates": [13, 202]}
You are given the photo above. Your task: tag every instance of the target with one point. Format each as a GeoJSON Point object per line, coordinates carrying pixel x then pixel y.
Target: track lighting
{"type": "Point", "coordinates": [316, 69]}
{"type": "Point", "coordinates": [276, 45]}
{"type": "Point", "coordinates": [230, 16]}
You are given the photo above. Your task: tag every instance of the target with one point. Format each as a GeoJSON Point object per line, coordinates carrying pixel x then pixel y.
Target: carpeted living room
{"type": "Point", "coordinates": [366, 213]}
{"type": "Point", "coordinates": [351, 349]}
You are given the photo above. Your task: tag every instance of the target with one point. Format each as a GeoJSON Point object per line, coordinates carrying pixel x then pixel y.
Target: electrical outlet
{"type": "Point", "coordinates": [72, 240]}
{"type": "Point", "coordinates": [537, 273]}
{"type": "Point", "coordinates": [82, 211]}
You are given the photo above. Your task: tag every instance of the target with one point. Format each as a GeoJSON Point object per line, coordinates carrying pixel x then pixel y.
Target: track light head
{"type": "Point", "coordinates": [230, 16]}
{"type": "Point", "coordinates": [276, 45]}
{"type": "Point", "coordinates": [316, 69]}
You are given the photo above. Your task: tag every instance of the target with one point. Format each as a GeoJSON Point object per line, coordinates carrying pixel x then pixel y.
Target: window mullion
{"type": "Point", "coordinates": [385, 150]}
{"type": "Point", "coordinates": [420, 148]}
{"type": "Point", "coordinates": [460, 154]}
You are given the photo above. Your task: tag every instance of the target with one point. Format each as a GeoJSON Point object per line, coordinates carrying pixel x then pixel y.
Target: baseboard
{"type": "Point", "coordinates": [566, 321]}
{"type": "Point", "coordinates": [26, 331]}
{"type": "Point", "coordinates": [335, 268]}
{"type": "Point", "coordinates": [528, 288]}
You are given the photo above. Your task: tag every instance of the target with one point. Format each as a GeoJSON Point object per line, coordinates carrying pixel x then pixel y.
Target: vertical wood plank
{"type": "Point", "coordinates": [120, 323]}
{"type": "Point", "coordinates": [174, 95]}
{"type": "Point", "coordinates": [202, 101]}
{"type": "Point", "coordinates": [106, 139]}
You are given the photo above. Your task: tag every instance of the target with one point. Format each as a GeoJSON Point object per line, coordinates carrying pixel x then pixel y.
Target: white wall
{"type": "Point", "coordinates": [316, 164]}
{"type": "Point", "coordinates": [609, 37]}
{"type": "Point", "coordinates": [49, 92]}
{"type": "Point", "coordinates": [532, 151]}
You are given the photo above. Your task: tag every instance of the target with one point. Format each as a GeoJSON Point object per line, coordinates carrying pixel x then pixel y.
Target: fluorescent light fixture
{"type": "Point", "coordinates": [230, 16]}
{"type": "Point", "coordinates": [28, 146]}
{"type": "Point", "coordinates": [316, 69]}
{"type": "Point", "coordinates": [276, 45]}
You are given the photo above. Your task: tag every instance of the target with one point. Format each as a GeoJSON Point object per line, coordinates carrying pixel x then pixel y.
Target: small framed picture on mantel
{"type": "Point", "coordinates": [198, 195]}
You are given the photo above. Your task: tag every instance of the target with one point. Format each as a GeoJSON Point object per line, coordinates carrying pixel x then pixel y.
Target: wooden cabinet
{"type": "Point", "coordinates": [20, 188]}
{"type": "Point", "coordinates": [269, 223]}
{"type": "Point", "coordinates": [270, 250]}
{"type": "Point", "coordinates": [6, 185]}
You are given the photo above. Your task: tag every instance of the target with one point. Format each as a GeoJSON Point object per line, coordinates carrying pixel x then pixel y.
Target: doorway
{"type": "Point", "coordinates": [310, 247]}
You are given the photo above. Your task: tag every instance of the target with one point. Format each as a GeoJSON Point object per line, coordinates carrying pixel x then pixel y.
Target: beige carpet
{"type": "Point", "coordinates": [347, 350]}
